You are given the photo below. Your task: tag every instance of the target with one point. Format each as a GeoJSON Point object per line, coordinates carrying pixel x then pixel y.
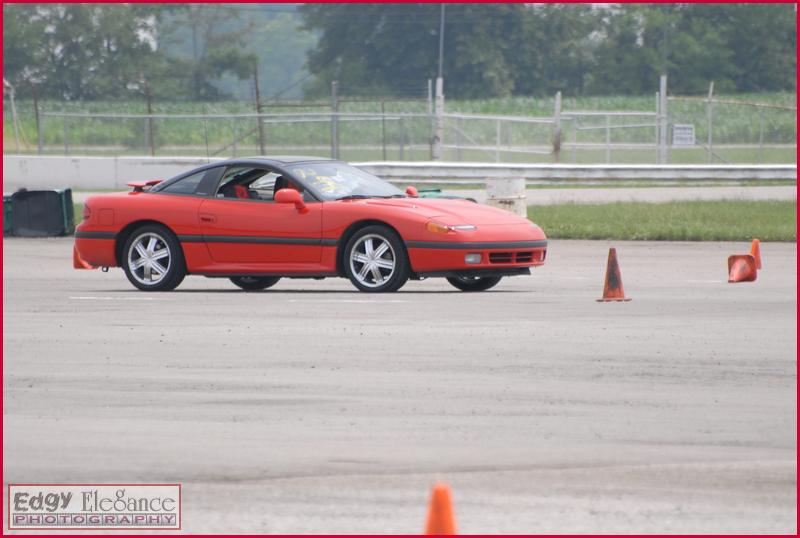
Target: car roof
{"type": "Point", "coordinates": [280, 159]}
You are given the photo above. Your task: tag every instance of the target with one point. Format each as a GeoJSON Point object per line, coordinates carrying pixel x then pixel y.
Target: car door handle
{"type": "Point", "coordinates": [205, 217]}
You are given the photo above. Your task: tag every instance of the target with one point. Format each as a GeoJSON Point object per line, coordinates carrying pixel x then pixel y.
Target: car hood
{"type": "Point", "coordinates": [451, 212]}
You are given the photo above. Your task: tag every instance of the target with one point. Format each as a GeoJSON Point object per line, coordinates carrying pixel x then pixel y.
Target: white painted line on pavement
{"type": "Point", "coordinates": [366, 301]}
{"type": "Point", "coordinates": [106, 298]}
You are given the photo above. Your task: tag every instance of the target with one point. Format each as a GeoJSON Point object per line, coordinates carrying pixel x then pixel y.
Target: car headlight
{"type": "Point", "coordinates": [439, 228]}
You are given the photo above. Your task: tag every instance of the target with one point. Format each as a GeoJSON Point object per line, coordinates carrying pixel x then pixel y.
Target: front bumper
{"type": "Point", "coordinates": [439, 257]}
{"type": "Point", "coordinates": [502, 271]}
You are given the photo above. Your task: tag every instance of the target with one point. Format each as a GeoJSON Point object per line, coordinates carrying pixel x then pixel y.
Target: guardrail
{"type": "Point", "coordinates": [474, 172]}
{"type": "Point", "coordinates": [100, 173]}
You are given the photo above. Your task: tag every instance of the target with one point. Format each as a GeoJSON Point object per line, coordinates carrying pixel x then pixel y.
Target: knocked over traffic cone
{"type": "Point", "coordinates": [440, 512]}
{"type": "Point", "coordinates": [78, 262]}
{"type": "Point", "coordinates": [612, 290]}
{"type": "Point", "coordinates": [755, 252]}
{"type": "Point", "coordinates": [741, 268]}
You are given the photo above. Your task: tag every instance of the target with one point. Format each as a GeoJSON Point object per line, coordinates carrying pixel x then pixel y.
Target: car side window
{"type": "Point", "coordinates": [187, 185]}
{"type": "Point", "coordinates": [252, 183]}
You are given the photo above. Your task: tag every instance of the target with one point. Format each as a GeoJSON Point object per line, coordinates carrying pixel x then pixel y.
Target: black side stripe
{"type": "Point", "coordinates": [476, 245]}
{"type": "Point", "coordinates": [95, 235]}
{"type": "Point", "coordinates": [261, 240]}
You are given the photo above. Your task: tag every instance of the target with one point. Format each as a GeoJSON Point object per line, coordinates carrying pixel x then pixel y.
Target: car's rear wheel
{"type": "Point", "coordinates": [474, 283]}
{"type": "Point", "coordinates": [376, 261]}
{"type": "Point", "coordinates": [153, 260]}
{"type": "Point", "coordinates": [255, 283]}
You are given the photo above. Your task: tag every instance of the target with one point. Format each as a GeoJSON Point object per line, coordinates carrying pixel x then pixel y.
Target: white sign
{"type": "Point", "coordinates": [683, 134]}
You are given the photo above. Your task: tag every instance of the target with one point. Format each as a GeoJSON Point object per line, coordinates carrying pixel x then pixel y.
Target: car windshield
{"type": "Point", "coordinates": [335, 180]}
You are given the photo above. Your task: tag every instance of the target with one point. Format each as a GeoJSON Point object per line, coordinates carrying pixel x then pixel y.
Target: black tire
{"type": "Point", "coordinates": [172, 274]}
{"type": "Point", "coordinates": [474, 283]}
{"type": "Point", "coordinates": [255, 283]}
{"type": "Point", "coordinates": [392, 279]}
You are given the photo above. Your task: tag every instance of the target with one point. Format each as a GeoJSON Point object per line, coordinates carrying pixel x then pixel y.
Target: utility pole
{"type": "Point", "coordinates": [438, 131]}
{"type": "Point", "coordinates": [261, 145]}
{"type": "Point", "coordinates": [441, 41]}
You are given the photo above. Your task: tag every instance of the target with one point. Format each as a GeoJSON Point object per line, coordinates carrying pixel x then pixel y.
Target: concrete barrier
{"type": "Point", "coordinates": [89, 173]}
{"type": "Point", "coordinates": [101, 173]}
{"type": "Point", "coordinates": [477, 172]}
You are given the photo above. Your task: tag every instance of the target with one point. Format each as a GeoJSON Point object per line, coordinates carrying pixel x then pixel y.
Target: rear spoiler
{"type": "Point", "coordinates": [140, 186]}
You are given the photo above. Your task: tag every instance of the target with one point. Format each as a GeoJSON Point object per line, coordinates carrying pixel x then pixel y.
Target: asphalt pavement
{"type": "Point", "coordinates": [313, 408]}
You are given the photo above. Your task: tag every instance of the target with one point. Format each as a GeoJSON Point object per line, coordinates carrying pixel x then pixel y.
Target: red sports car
{"type": "Point", "coordinates": [256, 220]}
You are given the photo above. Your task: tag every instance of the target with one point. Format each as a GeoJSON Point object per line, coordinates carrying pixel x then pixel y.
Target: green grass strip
{"type": "Point", "coordinates": [724, 220]}
{"type": "Point", "coordinates": [673, 221]}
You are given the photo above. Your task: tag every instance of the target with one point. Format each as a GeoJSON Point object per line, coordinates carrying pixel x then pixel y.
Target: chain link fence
{"type": "Point", "coordinates": [692, 130]}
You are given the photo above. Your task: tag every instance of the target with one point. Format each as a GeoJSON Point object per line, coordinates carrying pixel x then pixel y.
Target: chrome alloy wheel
{"type": "Point", "coordinates": [372, 261]}
{"type": "Point", "coordinates": [149, 258]}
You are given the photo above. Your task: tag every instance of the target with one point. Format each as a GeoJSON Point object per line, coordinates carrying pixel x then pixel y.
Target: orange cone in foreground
{"type": "Point", "coordinates": [741, 268]}
{"type": "Point", "coordinates": [440, 512]}
{"type": "Point", "coordinates": [612, 290]}
{"type": "Point", "coordinates": [755, 252]}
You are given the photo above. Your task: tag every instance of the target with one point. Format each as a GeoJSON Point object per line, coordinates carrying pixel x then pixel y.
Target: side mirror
{"type": "Point", "coordinates": [412, 191]}
{"type": "Point", "coordinates": [291, 196]}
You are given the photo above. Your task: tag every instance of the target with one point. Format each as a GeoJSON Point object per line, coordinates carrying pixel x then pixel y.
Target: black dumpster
{"type": "Point", "coordinates": [7, 215]}
{"type": "Point", "coordinates": [42, 213]}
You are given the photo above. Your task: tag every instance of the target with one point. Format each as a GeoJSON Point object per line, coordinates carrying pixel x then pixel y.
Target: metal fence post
{"type": "Point", "coordinates": [66, 142]}
{"type": "Point", "coordinates": [575, 125]}
{"type": "Point", "coordinates": [657, 128]}
{"type": "Point", "coordinates": [557, 128]}
{"type": "Point", "coordinates": [430, 117]}
{"type": "Point", "coordinates": [710, 121]}
{"type": "Point", "coordinates": [608, 139]}
{"type": "Point", "coordinates": [259, 120]}
{"type": "Point", "coordinates": [150, 136]}
{"type": "Point", "coordinates": [497, 141]}
{"type": "Point", "coordinates": [233, 128]}
{"type": "Point", "coordinates": [438, 135]}
{"type": "Point", "coordinates": [334, 119]}
{"type": "Point", "coordinates": [761, 134]}
{"type": "Point", "coordinates": [14, 121]}
{"type": "Point", "coordinates": [383, 127]}
{"type": "Point", "coordinates": [205, 132]}
{"type": "Point", "coordinates": [37, 115]}
{"type": "Point", "coordinates": [146, 134]}
{"type": "Point", "coordinates": [458, 138]}
{"type": "Point", "coordinates": [663, 119]}
{"type": "Point", "coordinates": [39, 132]}
{"type": "Point", "coordinates": [402, 139]}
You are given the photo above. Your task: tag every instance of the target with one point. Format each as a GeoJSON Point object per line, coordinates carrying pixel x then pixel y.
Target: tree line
{"type": "Point", "coordinates": [204, 52]}
{"type": "Point", "coordinates": [178, 52]}
{"type": "Point", "coordinates": [496, 50]}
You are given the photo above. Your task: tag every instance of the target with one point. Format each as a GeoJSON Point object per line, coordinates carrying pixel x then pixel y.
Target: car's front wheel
{"type": "Point", "coordinates": [474, 283]}
{"type": "Point", "coordinates": [153, 260]}
{"type": "Point", "coordinates": [255, 283]}
{"type": "Point", "coordinates": [375, 260]}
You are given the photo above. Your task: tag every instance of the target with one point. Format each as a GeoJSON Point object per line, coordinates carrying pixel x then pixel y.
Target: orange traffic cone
{"type": "Point", "coordinates": [78, 262]}
{"type": "Point", "coordinates": [612, 290]}
{"type": "Point", "coordinates": [755, 252]}
{"type": "Point", "coordinates": [440, 512]}
{"type": "Point", "coordinates": [741, 268]}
